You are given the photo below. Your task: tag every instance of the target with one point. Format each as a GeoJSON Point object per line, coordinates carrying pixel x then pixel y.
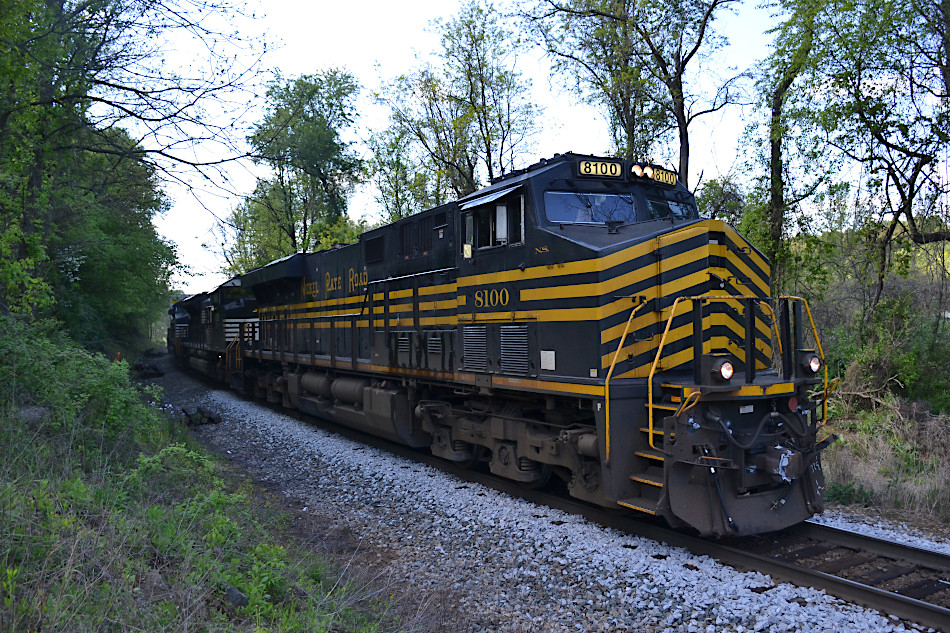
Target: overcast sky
{"type": "Point", "coordinates": [377, 40]}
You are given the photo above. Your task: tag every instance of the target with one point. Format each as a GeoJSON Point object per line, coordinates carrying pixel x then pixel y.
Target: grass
{"type": "Point", "coordinates": [893, 456]}
{"type": "Point", "coordinates": [111, 521]}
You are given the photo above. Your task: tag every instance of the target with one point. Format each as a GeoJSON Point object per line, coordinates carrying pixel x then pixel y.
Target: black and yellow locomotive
{"type": "Point", "coordinates": [576, 319]}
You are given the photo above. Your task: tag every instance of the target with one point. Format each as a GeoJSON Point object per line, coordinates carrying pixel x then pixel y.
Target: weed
{"type": "Point", "coordinates": [895, 455]}
{"type": "Point", "coordinates": [106, 524]}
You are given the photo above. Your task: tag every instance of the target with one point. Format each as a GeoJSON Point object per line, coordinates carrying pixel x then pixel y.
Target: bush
{"type": "Point", "coordinates": [107, 524]}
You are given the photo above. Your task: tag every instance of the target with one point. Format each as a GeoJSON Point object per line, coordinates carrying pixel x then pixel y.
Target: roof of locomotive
{"type": "Point", "coordinates": [293, 266]}
{"type": "Point", "coordinates": [290, 266]}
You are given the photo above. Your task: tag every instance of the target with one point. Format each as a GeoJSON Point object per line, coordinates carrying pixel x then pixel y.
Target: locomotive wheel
{"type": "Point", "coordinates": [479, 454]}
{"type": "Point", "coordinates": [542, 483]}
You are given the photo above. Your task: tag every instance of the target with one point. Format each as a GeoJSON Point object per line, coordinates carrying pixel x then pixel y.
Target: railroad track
{"type": "Point", "coordinates": [902, 581]}
{"type": "Point", "coordinates": [906, 582]}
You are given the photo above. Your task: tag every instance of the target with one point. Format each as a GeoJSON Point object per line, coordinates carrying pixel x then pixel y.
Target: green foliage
{"type": "Point", "coordinates": [597, 49]}
{"type": "Point", "coordinates": [22, 291]}
{"type": "Point", "coordinates": [721, 199]}
{"type": "Point", "coordinates": [303, 205]}
{"type": "Point", "coordinates": [848, 493]}
{"type": "Point", "coordinates": [636, 59]}
{"type": "Point", "coordinates": [76, 195]}
{"type": "Point", "coordinates": [405, 181]}
{"type": "Point", "coordinates": [466, 116]}
{"type": "Point", "coordinates": [105, 518]}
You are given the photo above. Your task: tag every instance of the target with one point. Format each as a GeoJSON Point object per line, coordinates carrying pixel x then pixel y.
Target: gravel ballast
{"type": "Point", "coordinates": [505, 564]}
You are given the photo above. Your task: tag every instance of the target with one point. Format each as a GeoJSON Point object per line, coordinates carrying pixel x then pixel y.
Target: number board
{"type": "Point", "coordinates": [664, 176]}
{"type": "Point", "coordinates": [600, 168]}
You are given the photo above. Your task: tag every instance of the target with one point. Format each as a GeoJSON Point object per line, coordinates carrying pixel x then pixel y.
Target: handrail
{"type": "Point", "coordinates": [613, 363]}
{"type": "Point", "coordinates": [666, 331]}
{"type": "Point", "coordinates": [778, 339]}
{"type": "Point", "coordinates": [659, 350]}
{"type": "Point", "coordinates": [686, 405]}
{"type": "Point", "coordinates": [232, 351]}
{"type": "Point", "coordinates": [821, 354]}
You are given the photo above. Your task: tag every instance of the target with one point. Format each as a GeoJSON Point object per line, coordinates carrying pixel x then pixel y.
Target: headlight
{"type": "Point", "coordinates": [648, 171]}
{"type": "Point", "coordinates": [637, 170]}
{"type": "Point", "coordinates": [723, 370]}
{"type": "Point", "coordinates": [810, 362]}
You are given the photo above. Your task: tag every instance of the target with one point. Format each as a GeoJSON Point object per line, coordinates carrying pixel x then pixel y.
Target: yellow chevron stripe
{"type": "Point", "coordinates": [593, 264]}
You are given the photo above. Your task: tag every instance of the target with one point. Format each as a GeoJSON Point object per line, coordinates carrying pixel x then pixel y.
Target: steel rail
{"type": "Point", "coordinates": [886, 549]}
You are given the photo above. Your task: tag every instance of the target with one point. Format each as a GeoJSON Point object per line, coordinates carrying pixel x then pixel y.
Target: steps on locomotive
{"type": "Point", "coordinates": [648, 487]}
{"type": "Point", "coordinates": [641, 504]}
{"type": "Point", "coordinates": [648, 479]}
{"type": "Point", "coordinates": [652, 476]}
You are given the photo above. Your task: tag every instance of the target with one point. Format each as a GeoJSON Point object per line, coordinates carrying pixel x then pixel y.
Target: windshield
{"type": "Point", "coordinates": [589, 208]}
{"type": "Point", "coordinates": [660, 208]}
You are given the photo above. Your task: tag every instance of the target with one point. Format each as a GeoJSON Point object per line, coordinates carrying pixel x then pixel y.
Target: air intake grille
{"type": "Point", "coordinates": [435, 344]}
{"type": "Point", "coordinates": [514, 349]}
{"type": "Point", "coordinates": [475, 347]}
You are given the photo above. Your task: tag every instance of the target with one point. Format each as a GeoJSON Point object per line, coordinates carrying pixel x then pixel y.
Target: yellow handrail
{"type": "Point", "coordinates": [613, 363]}
{"type": "Point", "coordinates": [778, 339]}
{"type": "Point", "coordinates": [659, 350]}
{"type": "Point", "coordinates": [686, 405]}
{"type": "Point", "coordinates": [234, 349]}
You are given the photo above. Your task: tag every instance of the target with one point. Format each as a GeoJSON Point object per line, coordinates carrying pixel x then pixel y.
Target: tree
{"type": "Point", "coordinates": [303, 204]}
{"type": "Point", "coordinates": [887, 66]}
{"type": "Point", "coordinates": [405, 181]}
{"type": "Point", "coordinates": [784, 91]}
{"type": "Point", "coordinates": [470, 115]}
{"type": "Point", "coordinates": [90, 113]}
{"type": "Point", "coordinates": [874, 96]}
{"type": "Point", "coordinates": [674, 38]}
{"type": "Point", "coordinates": [256, 232]}
{"type": "Point", "coordinates": [604, 56]}
{"type": "Point", "coordinates": [721, 199]}
{"type": "Point", "coordinates": [109, 269]}
{"type": "Point", "coordinates": [300, 138]}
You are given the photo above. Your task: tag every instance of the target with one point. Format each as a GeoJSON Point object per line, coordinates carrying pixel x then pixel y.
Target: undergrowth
{"type": "Point", "coordinates": [110, 521]}
{"type": "Point", "coordinates": [894, 455]}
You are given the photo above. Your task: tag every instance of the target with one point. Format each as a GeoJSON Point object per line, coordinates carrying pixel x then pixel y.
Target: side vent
{"type": "Point", "coordinates": [404, 349]}
{"type": "Point", "coordinates": [374, 249]}
{"type": "Point", "coordinates": [434, 352]}
{"type": "Point", "coordinates": [514, 349]}
{"type": "Point", "coordinates": [475, 348]}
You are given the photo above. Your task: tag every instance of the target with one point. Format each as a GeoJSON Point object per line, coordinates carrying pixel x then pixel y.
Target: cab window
{"type": "Point", "coordinates": [497, 224]}
{"type": "Point", "coordinates": [660, 209]}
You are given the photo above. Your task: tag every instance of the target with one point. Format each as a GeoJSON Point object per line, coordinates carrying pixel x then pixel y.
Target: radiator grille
{"type": "Point", "coordinates": [475, 347]}
{"type": "Point", "coordinates": [514, 349]}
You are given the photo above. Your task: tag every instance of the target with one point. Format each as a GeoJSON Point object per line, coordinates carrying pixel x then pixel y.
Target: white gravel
{"type": "Point", "coordinates": [510, 565]}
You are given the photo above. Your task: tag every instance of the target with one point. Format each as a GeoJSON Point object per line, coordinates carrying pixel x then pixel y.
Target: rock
{"type": "Point", "coordinates": [234, 595]}
{"type": "Point", "coordinates": [153, 586]}
{"type": "Point", "coordinates": [32, 416]}
{"type": "Point", "coordinates": [199, 416]}
{"type": "Point", "coordinates": [147, 370]}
